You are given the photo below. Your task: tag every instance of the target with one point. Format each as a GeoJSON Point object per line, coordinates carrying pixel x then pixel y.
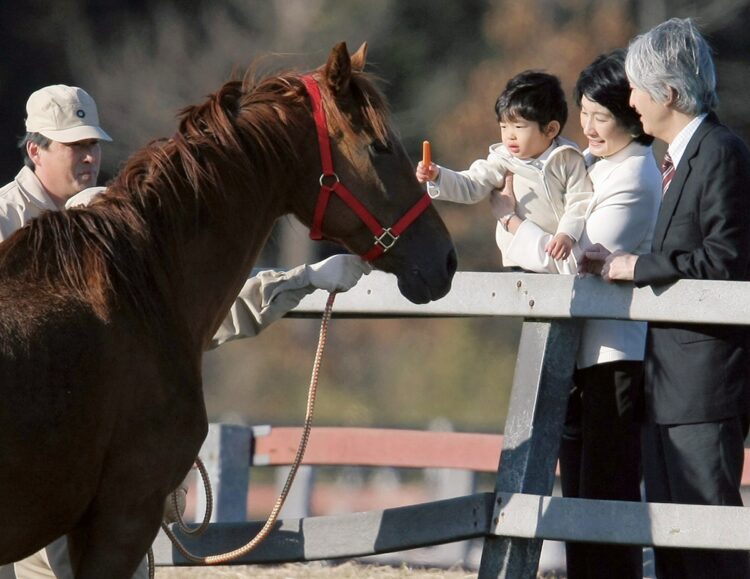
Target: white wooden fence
{"type": "Point", "coordinates": [514, 519]}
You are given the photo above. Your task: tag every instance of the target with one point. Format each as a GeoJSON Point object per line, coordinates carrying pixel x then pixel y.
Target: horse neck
{"type": "Point", "coordinates": [235, 203]}
{"type": "Point", "coordinates": [214, 266]}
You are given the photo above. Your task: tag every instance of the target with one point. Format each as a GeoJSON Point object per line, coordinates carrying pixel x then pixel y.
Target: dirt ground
{"type": "Point", "coordinates": [309, 571]}
{"type": "Point", "coordinates": [316, 571]}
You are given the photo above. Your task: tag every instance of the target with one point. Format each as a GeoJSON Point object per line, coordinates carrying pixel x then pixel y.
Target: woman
{"type": "Point", "coordinates": [600, 450]}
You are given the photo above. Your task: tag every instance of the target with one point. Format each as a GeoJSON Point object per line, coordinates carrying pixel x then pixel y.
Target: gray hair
{"type": "Point", "coordinates": [674, 55]}
{"type": "Point", "coordinates": [37, 138]}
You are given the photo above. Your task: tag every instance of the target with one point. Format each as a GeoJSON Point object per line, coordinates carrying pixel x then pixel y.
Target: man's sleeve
{"type": "Point", "coordinates": [11, 219]}
{"type": "Point", "coordinates": [264, 298]}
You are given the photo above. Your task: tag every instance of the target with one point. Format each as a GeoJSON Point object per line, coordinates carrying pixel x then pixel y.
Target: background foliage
{"type": "Point", "coordinates": [442, 65]}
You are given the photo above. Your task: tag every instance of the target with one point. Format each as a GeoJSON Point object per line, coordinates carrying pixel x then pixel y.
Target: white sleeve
{"type": "Point", "coordinates": [526, 249]}
{"type": "Point", "coordinates": [578, 195]}
{"type": "Point", "coordinates": [624, 219]}
{"type": "Point", "coordinates": [471, 185]}
{"type": "Point", "coordinates": [264, 298]}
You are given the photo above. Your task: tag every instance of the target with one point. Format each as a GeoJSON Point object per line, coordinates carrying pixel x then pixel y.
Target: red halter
{"type": "Point", "coordinates": [385, 237]}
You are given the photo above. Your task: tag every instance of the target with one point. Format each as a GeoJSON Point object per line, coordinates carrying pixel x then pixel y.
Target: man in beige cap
{"type": "Point", "coordinates": [62, 154]}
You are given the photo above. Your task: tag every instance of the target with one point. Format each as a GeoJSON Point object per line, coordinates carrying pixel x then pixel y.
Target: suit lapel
{"type": "Point", "coordinates": [671, 198]}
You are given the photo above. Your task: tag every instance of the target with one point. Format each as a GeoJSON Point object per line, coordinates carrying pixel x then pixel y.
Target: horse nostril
{"type": "Point", "coordinates": [452, 263]}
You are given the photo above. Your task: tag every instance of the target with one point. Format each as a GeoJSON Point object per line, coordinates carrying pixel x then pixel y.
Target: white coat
{"type": "Point", "coordinates": [622, 215]}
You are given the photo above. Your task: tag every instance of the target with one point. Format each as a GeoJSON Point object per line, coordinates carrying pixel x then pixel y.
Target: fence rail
{"type": "Point", "coordinates": [520, 513]}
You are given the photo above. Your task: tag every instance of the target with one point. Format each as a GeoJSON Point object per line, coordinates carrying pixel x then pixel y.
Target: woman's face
{"type": "Point", "coordinates": [605, 135]}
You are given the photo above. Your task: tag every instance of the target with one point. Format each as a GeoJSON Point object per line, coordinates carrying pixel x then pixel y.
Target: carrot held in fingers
{"type": "Point", "coordinates": [426, 155]}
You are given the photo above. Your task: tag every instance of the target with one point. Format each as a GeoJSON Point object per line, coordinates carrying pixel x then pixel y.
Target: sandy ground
{"type": "Point", "coordinates": [316, 571]}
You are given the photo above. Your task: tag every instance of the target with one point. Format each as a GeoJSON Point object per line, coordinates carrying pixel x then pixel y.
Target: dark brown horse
{"type": "Point", "coordinates": [105, 310]}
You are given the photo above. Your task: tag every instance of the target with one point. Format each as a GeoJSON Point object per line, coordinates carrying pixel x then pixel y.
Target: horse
{"type": "Point", "coordinates": [105, 310]}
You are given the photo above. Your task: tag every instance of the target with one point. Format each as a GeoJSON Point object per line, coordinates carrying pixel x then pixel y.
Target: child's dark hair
{"type": "Point", "coordinates": [604, 82]}
{"type": "Point", "coordinates": [535, 96]}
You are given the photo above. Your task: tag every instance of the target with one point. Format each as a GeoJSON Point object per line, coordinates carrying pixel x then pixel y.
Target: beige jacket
{"type": "Point", "coordinates": [553, 191]}
{"type": "Point", "coordinates": [21, 200]}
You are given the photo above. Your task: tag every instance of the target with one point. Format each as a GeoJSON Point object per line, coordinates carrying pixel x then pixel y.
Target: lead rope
{"type": "Point", "coordinates": [180, 521]}
{"type": "Point", "coordinates": [274, 515]}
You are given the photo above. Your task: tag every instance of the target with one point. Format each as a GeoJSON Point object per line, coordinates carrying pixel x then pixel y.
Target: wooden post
{"type": "Point", "coordinates": [226, 455]}
{"type": "Point", "coordinates": [541, 385]}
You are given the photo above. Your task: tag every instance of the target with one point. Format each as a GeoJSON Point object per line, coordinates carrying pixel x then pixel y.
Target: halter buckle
{"type": "Point", "coordinates": [386, 242]}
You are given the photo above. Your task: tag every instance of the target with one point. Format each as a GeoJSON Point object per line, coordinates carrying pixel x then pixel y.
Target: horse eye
{"type": "Point", "coordinates": [378, 147]}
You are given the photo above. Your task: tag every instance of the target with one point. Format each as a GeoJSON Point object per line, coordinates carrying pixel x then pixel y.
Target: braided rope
{"type": "Point", "coordinates": [274, 515]}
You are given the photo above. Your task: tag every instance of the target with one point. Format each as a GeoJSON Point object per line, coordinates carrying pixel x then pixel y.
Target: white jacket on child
{"type": "Point", "coordinates": [553, 191]}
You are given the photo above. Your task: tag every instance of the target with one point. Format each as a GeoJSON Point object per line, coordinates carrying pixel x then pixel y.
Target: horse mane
{"type": "Point", "coordinates": [116, 251]}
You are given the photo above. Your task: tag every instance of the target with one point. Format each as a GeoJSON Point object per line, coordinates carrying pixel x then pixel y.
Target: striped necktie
{"type": "Point", "coordinates": [667, 172]}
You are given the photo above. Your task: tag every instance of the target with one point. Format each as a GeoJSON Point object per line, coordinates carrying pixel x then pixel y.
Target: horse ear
{"type": "Point", "coordinates": [338, 70]}
{"type": "Point", "coordinates": [359, 57]}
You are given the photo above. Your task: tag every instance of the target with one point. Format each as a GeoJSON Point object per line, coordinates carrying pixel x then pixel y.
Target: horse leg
{"type": "Point", "coordinates": [114, 546]}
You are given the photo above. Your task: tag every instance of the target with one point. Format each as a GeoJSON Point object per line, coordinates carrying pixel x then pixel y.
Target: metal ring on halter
{"type": "Point", "coordinates": [333, 176]}
{"type": "Point", "coordinates": [386, 245]}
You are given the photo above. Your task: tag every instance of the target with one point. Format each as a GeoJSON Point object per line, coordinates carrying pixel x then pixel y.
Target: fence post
{"type": "Point", "coordinates": [226, 455]}
{"type": "Point", "coordinates": [531, 442]}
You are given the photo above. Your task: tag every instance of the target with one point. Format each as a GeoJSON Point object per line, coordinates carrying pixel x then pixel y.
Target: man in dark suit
{"type": "Point", "coordinates": [697, 382]}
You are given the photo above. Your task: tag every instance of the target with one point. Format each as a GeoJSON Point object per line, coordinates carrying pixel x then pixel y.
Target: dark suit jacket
{"type": "Point", "coordinates": [699, 373]}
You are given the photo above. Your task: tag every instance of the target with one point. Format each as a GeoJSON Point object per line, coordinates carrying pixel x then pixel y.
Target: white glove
{"type": "Point", "coordinates": [84, 197]}
{"type": "Point", "coordinates": [338, 272]}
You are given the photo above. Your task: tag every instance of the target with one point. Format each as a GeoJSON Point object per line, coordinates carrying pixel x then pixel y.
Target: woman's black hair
{"type": "Point", "coordinates": [535, 96]}
{"type": "Point", "coordinates": [604, 82]}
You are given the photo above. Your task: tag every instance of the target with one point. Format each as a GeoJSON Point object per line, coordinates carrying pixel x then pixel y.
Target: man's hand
{"type": "Point", "coordinates": [619, 266]}
{"type": "Point", "coordinates": [338, 272]}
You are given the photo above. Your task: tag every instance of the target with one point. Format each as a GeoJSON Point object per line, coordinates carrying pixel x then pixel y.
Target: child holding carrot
{"type": "Point", "coordinates": [551, 185]}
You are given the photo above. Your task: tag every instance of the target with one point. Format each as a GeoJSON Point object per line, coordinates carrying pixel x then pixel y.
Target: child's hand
{"type": "Point", "coordinates": [427, 173]}
{"type": "Point", "coordinates": [560, 246]}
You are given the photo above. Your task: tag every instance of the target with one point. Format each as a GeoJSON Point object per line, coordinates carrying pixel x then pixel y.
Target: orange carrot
{"type": "Point", "coordinates": [426, 154]}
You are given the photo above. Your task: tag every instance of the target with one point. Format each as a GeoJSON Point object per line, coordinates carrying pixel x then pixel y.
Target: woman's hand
{"type": "Point", "coordinates": [503, 202]}
{"type": "Point", "coordinates": [611, 266]}
{"type": "Point", "coordinates": [592, 260]}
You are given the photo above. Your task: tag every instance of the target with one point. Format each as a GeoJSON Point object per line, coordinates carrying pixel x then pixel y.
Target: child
{"type": "Point", "coordinates": [551, 185]}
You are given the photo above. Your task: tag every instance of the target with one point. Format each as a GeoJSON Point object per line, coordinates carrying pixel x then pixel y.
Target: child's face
{"type": "Point", "coordinates": [526, 139]}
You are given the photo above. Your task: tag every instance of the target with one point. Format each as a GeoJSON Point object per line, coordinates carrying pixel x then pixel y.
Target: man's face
{"type": "Point", "coordinates": [67, 168]}
{"type": "Point", "coordinates": [652, 113]}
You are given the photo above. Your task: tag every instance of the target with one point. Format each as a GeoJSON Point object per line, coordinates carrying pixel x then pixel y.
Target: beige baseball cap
{"type": "Point", "coordinates": [64, 113]}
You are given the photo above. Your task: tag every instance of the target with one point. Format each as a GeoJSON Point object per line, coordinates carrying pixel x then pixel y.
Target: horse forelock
{"type": "Point", "coordinates": [366, 111]}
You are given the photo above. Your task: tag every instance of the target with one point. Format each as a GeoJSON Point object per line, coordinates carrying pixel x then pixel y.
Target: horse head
{"type": "Point", "coordinates": [368, 198]}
